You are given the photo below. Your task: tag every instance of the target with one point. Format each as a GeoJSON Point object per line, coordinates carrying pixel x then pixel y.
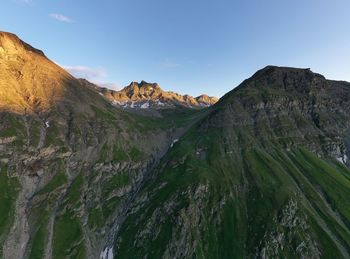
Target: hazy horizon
{"type": "Point", "coordinates": [189, 47]}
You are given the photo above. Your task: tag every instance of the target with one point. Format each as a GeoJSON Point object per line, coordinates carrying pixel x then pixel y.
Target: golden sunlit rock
{"type": "Point", "coordinates": [29, 82]}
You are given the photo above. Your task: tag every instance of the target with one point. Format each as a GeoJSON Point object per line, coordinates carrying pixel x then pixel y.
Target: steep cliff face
{"type": "Point", "coordinates": [264, 175]}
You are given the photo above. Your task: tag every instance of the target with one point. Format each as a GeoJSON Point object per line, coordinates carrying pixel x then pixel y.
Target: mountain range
{"type": "Point", "coordinates": [88, 172]}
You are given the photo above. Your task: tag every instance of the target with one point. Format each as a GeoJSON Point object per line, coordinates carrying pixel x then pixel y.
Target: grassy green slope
{"type": "Point", "coordinates": [205, 202]}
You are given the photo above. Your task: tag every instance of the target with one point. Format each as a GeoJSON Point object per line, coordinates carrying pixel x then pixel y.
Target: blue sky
{"type": "Point", "coordinates": [188, 46]}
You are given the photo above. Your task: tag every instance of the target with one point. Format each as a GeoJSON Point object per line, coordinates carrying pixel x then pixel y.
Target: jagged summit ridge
{"type": "Point", "coordinates": [150, 95]}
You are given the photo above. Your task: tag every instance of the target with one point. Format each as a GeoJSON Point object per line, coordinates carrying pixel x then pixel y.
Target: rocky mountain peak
{"type": "Point", "coordinates": [205, 99]}
{"type": "Point", "coordinates": [140, 90]}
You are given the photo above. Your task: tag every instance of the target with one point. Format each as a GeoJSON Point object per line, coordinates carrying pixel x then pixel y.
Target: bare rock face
{"type": "Point", "coordinates": [206, 100]}
{"type": "Point", "coordinates": [151, 96]}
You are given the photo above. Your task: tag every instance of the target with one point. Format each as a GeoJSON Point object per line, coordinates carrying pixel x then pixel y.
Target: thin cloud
{"type": "Point", "coordinates": [94, 75]}
{"type": "Point", "coordinates": [59, 17]}
{"type": "Point", "coordinates": [86, 72]}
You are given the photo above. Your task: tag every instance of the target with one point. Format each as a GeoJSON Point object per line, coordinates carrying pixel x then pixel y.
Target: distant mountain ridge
{"type": "Point", "coordinates": [146, 95]}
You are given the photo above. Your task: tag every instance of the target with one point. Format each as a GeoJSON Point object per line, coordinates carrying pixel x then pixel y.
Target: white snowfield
{"type": "Point", "coordinates": [149, 104]}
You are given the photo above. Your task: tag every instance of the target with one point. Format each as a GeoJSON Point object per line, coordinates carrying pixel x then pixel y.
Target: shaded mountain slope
{"type": "Point", "coordinates": [264, 175]}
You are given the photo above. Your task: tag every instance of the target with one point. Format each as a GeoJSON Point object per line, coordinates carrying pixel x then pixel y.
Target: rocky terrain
{"type": "Point", "coordinates": [263, 173]}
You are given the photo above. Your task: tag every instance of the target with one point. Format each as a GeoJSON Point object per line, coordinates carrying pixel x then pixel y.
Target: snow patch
{"type": "Point", "coordinates": [174, 141]}
{"type": "Point", "coordinates": [107, 253]}
{"type": "Point", "coordinates": [47, 124]}
{"type": "Point", "coordinates": [159, 103]}
{"type": "Point", "coordinates": [145, 105]}
{"type": "Point", "coordinates": [116, 103]}
{"type": "Point", "coordinates": [342, 159]}
{"type": "Point", "coordinates": [204, 104]}
{"type": "Point", "coordinates": [100, 94]}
